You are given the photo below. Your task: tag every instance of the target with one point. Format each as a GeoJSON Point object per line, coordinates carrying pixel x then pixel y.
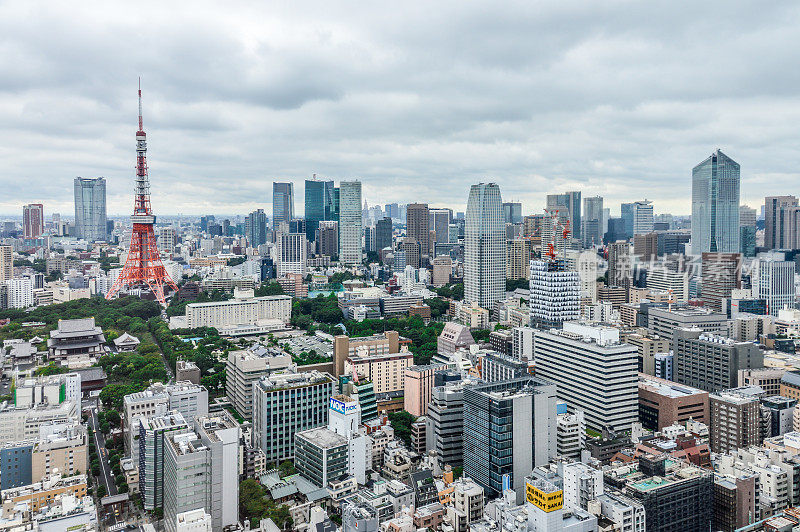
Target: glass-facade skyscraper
{"type": "Point", "coordinates": [319, 204]}
{"type": "Point", "coordinates": [484, 246]}
{"type": "Point", "coordinates": [350, 225]}
{"type": "Point", "coordinates": [715, 205]}
{"type": "Point", "coordinates": [282, 203]}
{"type": "Point", "coordinates": [90, 208]}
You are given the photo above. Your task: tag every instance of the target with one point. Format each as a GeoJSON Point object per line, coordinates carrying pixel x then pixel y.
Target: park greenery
{"type": "Point", "coordinates": [256, 504]}
{"type": "Point", "coordinates": [177, 307]}
{"type": "Point", "coordinates": [272, 288]}
{"type": "Point", "coordinates": [401, 423]}
{"type": "Point", "coordinates": [423, 337]}
{"type": "Point", "coordinates": [513, 284]}
{"type": "Point", "coordinates": [452, 291]}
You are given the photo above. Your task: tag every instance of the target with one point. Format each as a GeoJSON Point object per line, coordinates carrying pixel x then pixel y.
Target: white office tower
{"type": "Point", "coordinates": [350, 222]}
{"type": "Point", "coordinates": [484, 246]}
{"type": "Point", "coordinates": [292, 252]}
{"type": "Point", "coordinates": [775, 282]}
{"type": "Point", "coordinates": [593, 371]}
{"type": "Point", "coordinates": [555, 294]}
{"type": "Point", "coordinates": [344, 418]}
{"type": "Point", "coordinates": [586, 265]}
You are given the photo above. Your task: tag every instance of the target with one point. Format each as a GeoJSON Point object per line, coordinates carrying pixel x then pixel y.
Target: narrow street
{"type": "Point", "coordinates": [102, 453]}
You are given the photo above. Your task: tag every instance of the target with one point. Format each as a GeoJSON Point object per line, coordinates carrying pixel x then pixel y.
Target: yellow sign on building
{"type": "Point", "coordinates": [547, 501]}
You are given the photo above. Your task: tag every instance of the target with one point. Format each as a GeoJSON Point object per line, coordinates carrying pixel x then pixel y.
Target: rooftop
{"type": "Point", "coordinates": [323, 438]}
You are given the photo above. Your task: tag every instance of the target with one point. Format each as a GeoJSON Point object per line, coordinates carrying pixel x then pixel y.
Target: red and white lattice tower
{"type": "Point", "coordinates": [143, 266]}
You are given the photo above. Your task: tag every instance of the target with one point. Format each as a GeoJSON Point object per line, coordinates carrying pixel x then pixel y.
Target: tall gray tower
{"type": "Point", "coordinates": [715, 205]}
{"type": "Point", "coordinates": [90, 208]}
{"type": "Point", "coordinates": [484, 246]}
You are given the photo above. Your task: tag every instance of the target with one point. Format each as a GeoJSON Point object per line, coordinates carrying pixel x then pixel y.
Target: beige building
{"type": "Point", "coordinates": [442, 268]}
{"type": "Point", "coordinates": [474, 316]}
{"type": "Point", "coordinates": [41, 494]}
{"type": "Point", "coordinates": [386, 371]}
{"type": "Point", "coordinates": [518, 258]}
{"type": "Point", "coordinates": [648, 347]}
{"type": "Point", "coordinates": [64, 451]}
{"type": "Point", "coordinates": [242, 371]}
{"type": "Point", "coordinates": [378, 344]}
{"type": "Point", "coordinates": [768, 378]}
{"type": "Point", "coordinates": [6, 263]}
{"type": "Point", "coordinates": [417, 387]}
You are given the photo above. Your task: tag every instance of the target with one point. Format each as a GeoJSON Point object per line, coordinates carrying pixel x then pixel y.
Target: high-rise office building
{"type": "Point", "coordinates": [747, 216]}
{"type": "Point", "coordinates": [593, 371]}
{"type": "Point", "coordinates": [722, 273]}
{"type": "Point", "coordinates": [774, 282]}
{"type": "Point", "coordinates": [328, 238]}
{"type": "Point", "coordinates": [626, 215]}
{"type": "Point", "coordinates": [555, 294]}
{"type": "Point", "coordinates": [484, 246]}
{"type": "Point", "coordinates": [710, 362]}
{"type": "Point", "coordinates": [319, 204]}
{"type": "Point", "coordinates": [255, 228]}
{"type": "Point", "coordinates": [285, 403]}
{"type": "Point", "coordinates": [568, 206]}
{"type": "Point", "coordinates": [512, 212]}
{"type": "Point", "coordinates": [642, 217]}
{"type": "Point", "coordinates": [418, 225]}
{"type": "Point", "coordinates": [350, 232]}
{"type": "Point", "coordinates": [523, 440]}
{"type": "Point", "coordinates": [593, 226]}
{"type": "Point", "coordinates": [444, 424]}
{"type": "Point", "coordinates": [440, 225]}
{"type": "Point", "coordinates": [781, 222]}
{"type": "Point", "coordinates": [152, 438]}
{"type": "Point", "coordinates": [32, 220]}
{"type": "Point", "coordinates": [282, 203]}
{"type": "Point", "coordinates": [715, 205]}
{"type": "Point", "coordinates": [383, 233]}
{"type": "Point", "coordinates": [90, 208]}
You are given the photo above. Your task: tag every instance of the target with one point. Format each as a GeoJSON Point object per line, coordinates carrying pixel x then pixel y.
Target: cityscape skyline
{"type": "Point", "coordinates": [403, 122]}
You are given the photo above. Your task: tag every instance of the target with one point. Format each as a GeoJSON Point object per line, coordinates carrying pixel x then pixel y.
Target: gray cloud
{"type": "Point", "coordinates": [418, 101]}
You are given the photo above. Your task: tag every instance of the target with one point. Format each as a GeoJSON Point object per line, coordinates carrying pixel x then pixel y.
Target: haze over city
{"type": "Point", "coordinates": [619, 100]}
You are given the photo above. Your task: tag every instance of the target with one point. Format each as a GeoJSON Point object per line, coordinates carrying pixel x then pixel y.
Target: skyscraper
{"type": "Point", "coordinates": [715, 205]}
{"type": "Point", "coordinates": [781, 222]}
{"type": "Point", "coordinates": [484, 246]}
{"type": "Point", "coordinates": [592, 230]}
{"type": "Point", "coordinates": [350, 222]}
{"type": "Point", "coordinates": [90, 208]}
{"type": "Point", "coordinates": [555, 294]}
{"type": "Point", "coordinates": [33, 220]}
{"type": "Point", "coordinates": [383, 233]}
{"type": "Point", "coordinates": [319, 204]}
{"type": "Point", "coordinates": [255, 228]}
{"type": "Point", "coordinates": [512, 212]}
{"type": "Point", "coordinates": [774, 281]}
{"type": "Point", "coordinates": [440, 225]}
{"type": "Point", "coordinates": [418, 225]}
{"type": "Point", "coordinates": [643, 217]}
{"type": "Point", "coordinates": [6, 263]}
{"type": "Point", "coordinates": [626, 213]}
{"type": "Point", "coordinates": [568, 205]}
{"type": "Point", "coordinates": [722, 273]}
{"type": "Point", "coordinates": [282, 203]}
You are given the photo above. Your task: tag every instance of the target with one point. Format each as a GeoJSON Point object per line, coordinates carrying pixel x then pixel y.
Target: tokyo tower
{"type": "Point", "coordinates": [143, 266]}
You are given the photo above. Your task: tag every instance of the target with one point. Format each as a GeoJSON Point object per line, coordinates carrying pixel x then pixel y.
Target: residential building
{"type": "Point", "coordinates": [484, 242]}
{"type": "Point", "coordinates": [417, 386]}
{"type": "Point", "coordinates": [620, 264]}
{"type": "Point", "coordinates": [386, 370]}
{"type": "Point", "coordinates": [518, 258]}
{"type": "Point", "coordinates": [645, 246]}
{"type": "Point", "coordinates": [255, 228]}
{"type": "Point", "coordinates": [6, 263]}
{"type": "Point", "coordinates": [570, 434]}
{"type": "Point", "coordinates": [529, 435]}
{"type": "Point", "coordinates": [442, 270]}
{"type": "Point", "coordinates": [378, 344]}
{"type": "Point", "coordinates": [769, 379]}
{"type": "Point", "coordinates": [468, 504]}
{"type": "Point", "coordinates": [592, 371]}
{"type": "Point", "coordinates": [18, 293]}
{"type": "Point", "coordinates": [715, 205]}
{"type": "Point", "coordinates": [32, 220]}
{"type": "Point", "coordinates": [418, 226]}
{"type": "Point", "coordinates": [735, 421]}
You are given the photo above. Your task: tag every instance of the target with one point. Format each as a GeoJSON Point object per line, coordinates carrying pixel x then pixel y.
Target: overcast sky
{"type": "Point", "coordinates": [417, 99]}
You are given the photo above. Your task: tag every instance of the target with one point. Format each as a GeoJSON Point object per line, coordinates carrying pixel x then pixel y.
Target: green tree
{"type": "Point", "coordinates": [401, 423]}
